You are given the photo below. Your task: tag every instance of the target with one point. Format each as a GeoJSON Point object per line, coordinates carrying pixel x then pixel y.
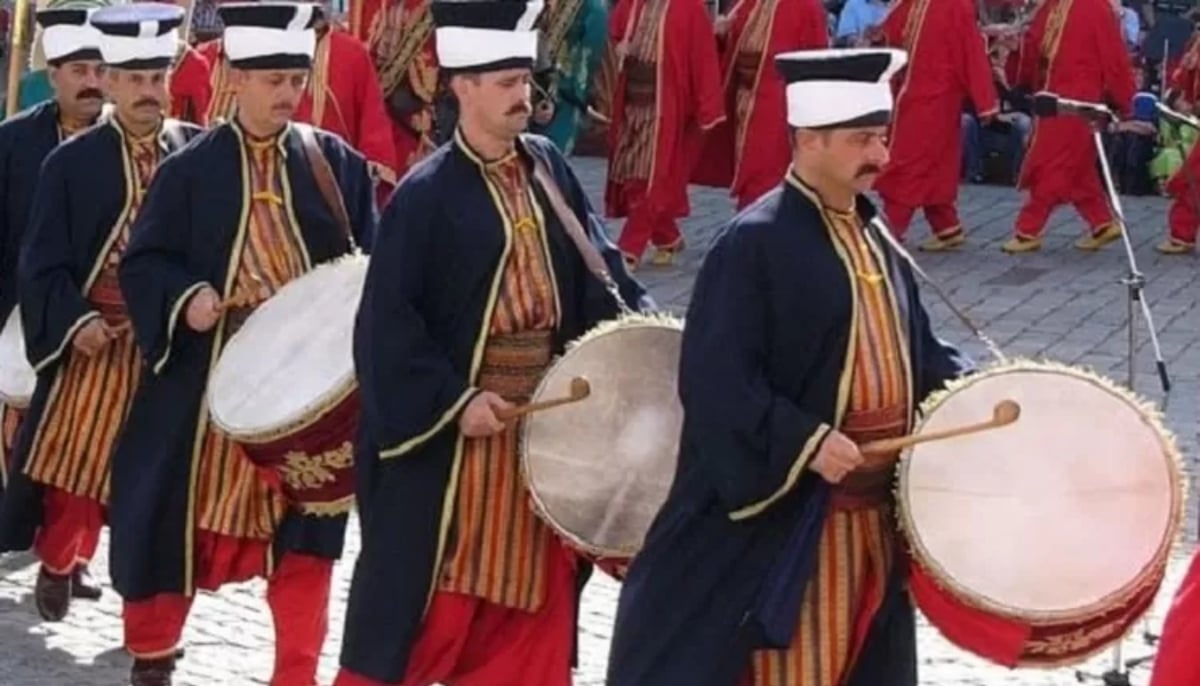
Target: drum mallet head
{"type": "Point", "coordinates": [1006, 412]}
{"type": "Point", "coordinates": [578, 390]}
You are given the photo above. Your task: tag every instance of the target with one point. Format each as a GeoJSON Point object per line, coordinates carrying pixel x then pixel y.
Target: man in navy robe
{"type": "Point", "coordinates": [75, 322]}
{"type": "Point", "coordinates": [774, 561]}
{"type": "Point", "coordinates": [230, 219]}
{"type": "Point", "coordinates": [72, 48]}
{"type": "Point", "coordinates": [475, 284]}
{"type": "Point", "coordinates": [72, 53]}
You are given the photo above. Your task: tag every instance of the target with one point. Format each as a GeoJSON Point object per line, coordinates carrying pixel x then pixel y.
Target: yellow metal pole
{"type": "Point", "coordinates": [17, 56]}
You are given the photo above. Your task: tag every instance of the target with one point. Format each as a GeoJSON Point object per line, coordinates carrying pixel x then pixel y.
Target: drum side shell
{"type": "Point", "coordinates": [231, 397]}
{"type": "Point", "coordinates": [1172, 483]}
{"type": "Point", "coordinates": [17, 377]}
{"type": "Point", "coordinates": [652, 345]}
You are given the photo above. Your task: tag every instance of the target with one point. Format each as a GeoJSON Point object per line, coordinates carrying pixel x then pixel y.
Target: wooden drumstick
{"type": "Point", "coordinates": [1004, 413]}
{"type": "Point", "coordinates": [580, 389]}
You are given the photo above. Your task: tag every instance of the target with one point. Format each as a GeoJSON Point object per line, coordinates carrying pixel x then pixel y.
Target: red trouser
{"type": "Point", "coordinates": [1034, 214]}
{"type": "Point", "coordinates": [298, 595]}
{"type": "Point", "coordinates": [70, 530]}
{"type": "Point", "coordinates": [648, 222]}
{"type": "Point", "coordinates": [1183, 220]}
{"type": "Point", "coordinates": [467, 641]}
{"type": "Point", "coordinates": [943, 219]}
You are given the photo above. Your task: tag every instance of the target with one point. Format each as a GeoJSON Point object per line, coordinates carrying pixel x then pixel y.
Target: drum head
{"type": "Point", "coordinates": [17, 378]}
{"type": "Point", "coordinates": [293, 357]}
{"type": "Point", "coordinates": [600, 469]}
{"type": "Point", "coordinates": [1065, 513]}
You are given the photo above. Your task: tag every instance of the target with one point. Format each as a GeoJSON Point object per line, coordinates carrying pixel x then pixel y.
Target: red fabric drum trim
{"type": "Point", "coordinates": [315, 464]}
{"type": "Point", "coordinates": [1016, 643]}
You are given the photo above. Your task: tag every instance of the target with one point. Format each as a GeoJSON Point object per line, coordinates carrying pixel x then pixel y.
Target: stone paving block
{"type": "Point", "coordinates": [1060, 302]}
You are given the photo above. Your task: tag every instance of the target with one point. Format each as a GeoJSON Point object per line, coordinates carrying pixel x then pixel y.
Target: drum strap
{"type": "Point", "coordinates": [574, 228]}
{"type": "Point", "coordinates": [888, 236]}
{"type": "Point", "coordinates": [326, 183]}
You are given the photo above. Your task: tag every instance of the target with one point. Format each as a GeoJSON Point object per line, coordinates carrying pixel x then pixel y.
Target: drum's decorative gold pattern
{"type": "Point", "coordinates": [599, 469]}
{"type": "Point", "coordinates": [1061, 522]}
{"type": "Point", "coordinates": [284, 387]}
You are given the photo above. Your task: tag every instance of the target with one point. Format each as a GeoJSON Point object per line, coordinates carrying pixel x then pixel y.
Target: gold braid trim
{"type": "Point", "coordinates": [1055, 24]}
{"type": "Point", "coordinates": [912, 24]}
{"type": "Point", "coordinates": [559, 21]}
{"type": "Point", "coordinates": [395, 47]}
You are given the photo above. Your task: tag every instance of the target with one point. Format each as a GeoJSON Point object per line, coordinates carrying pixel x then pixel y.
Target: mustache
{"type": "Point", "coordinates": [89, 93]}
{"type": "Point", "coordinates": [867, 170]}
{"type": "Point", "coordinates": [520, 108]}
{"type": "Point", "coordinates": [147, 102]}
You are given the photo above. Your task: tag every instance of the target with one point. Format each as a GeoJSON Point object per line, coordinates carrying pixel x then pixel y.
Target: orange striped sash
{"type": "Point", "coordinates": [857, 548]}
{"type": "Point", "coordinates": [92, 395]}
{"type": "Point", "coordinates": [499, 547]}
{"type": "Point", "coordinates": [233, 499]}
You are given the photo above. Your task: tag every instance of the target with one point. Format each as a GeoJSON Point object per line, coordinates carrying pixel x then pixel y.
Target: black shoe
{"type": "Point", "coordinates": [52, 595]}
{"type": "Point", "coordinates": [83, 586]}
{"type": "Point", "coordinates": [156, 672]}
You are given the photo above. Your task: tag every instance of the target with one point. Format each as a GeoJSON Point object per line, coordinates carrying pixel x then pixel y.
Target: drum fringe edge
{"type": "Point", "coordinates": [1151, 414]}
{"type": "Point", "coordinates": [635, 319]}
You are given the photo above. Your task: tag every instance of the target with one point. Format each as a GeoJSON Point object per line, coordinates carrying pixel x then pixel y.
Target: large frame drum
{"type": "Point", "coordinates": [599, 469]}
{"type": "Point", "coordinates": [284, 387]}
{"type": "Point", "coordinates": [1043, 542]}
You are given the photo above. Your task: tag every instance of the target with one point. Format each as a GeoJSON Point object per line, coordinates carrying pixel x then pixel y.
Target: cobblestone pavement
{"type": "Point", "coordinates": [1060, 304]}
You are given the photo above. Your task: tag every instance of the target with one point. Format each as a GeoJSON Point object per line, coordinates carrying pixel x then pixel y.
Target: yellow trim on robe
{"type": "Point", "coordinates": [173, 323]}
{"type": "Point", "coordinates": [810, 448]}
{"type": "Point", "coordinates": [449, 497]}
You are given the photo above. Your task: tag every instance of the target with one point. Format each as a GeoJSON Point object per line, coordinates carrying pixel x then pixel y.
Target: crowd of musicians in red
{"type": "Point", "coordinates": [699, 104]}
{"type": "Point", "coordinates": [677, 97]}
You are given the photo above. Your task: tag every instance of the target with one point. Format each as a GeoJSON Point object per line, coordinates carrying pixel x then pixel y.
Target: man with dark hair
{"type": "Point", "coordinates": [227, 223]}
{"type": "Point", "coordinates": [75, 321]}
{"type": "Point", "coordinates": [476, 283]}
{"type": "Point", "coordinates": [72, 51]}
{"type": "Point", "coordinates": [775, 559]}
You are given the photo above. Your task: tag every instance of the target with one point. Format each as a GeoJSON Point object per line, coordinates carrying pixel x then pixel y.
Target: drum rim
{"type": "Point", "coordinates": [321, 406]}
{"type": "Point", "coordinates": [1150, 415]}
{"type": "Point", "coordinates": [18, 402]}
{"type": "Point", "coordinates": [660, 320]}
{"type": "Point", "coordinates": [316, 410]}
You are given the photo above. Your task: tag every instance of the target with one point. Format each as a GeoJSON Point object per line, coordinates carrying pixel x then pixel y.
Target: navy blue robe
{"type": "Point", "coordinates": [765, 349]}
{"type": "Point", "coordinates": [25, 141]}
{"type": "Point", "coordinates": [421, 324]}
{"type": "Point", "coordinates": [184, 237]}
{"type": "Point", "coordinates": [81, 196]}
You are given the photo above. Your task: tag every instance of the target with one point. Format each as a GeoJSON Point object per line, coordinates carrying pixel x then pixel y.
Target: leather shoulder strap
{"type": "Point", "coordinates": [574, 228]}
{"type": "Point", "coordinates": [326, 182]}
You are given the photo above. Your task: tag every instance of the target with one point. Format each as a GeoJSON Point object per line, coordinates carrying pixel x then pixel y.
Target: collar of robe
{"type": "Point", "coordinates": [279, 138]}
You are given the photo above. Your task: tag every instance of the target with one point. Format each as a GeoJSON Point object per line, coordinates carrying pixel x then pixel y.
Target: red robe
{"type": "Point", "coordinates": [689, 100]}
{"type": "Point", "coordinates": [1176, 663]}
{"type": "Point", "coordinates": [1073, 48]}
{"type": "Point", "coordinates": [191, 90]}
{"type": "Point", "coordinates": [947, 65]}
{"type": "Point", "coordinates": [1184, 185]}
{"type": "Point", "coordinates": [400, 36]}
{"type": "Point", "coordinates": [750, 152]}
{"type": "Point", "coordinates": [220, 104]}
{"type": "Point", "coordinates": [342, 97]}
